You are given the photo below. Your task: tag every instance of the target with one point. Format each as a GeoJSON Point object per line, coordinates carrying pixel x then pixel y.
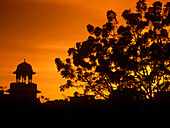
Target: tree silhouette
{"type": "Point", "coordinates": [2, 89]}
{"type": "Point", "coordinates": [134, 56]}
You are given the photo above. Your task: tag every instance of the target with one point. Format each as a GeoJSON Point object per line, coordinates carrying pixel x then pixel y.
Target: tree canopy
{"type": "Point", "coordinates": [118, 57]}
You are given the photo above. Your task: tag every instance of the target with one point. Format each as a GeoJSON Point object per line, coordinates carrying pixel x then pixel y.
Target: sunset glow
{"type": "Point", "coordinates": [41, 30]}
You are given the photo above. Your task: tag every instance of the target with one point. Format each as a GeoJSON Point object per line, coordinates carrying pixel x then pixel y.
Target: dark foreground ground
{"type": "Point", "coordinates": [40, 110]}
{"type": "Point", "coordinates": [122, 114]}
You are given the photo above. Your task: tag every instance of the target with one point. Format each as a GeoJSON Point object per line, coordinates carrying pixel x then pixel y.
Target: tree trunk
{"type": "Point", "coordinates": [150, 91]}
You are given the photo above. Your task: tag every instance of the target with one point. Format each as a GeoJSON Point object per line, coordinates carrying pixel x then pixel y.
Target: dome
{"type": "Point", "coordinates": [24, 69]}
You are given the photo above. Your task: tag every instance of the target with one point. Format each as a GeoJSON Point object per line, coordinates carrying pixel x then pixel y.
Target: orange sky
{"type": "Point", "coordinates": [41, 30]}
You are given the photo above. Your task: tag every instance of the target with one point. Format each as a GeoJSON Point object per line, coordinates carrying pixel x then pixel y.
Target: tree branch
{"type": "Point", "coordinates": [95, 89]}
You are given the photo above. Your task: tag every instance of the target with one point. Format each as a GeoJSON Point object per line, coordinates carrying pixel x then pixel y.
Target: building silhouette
{"type": "Point", "coordinates": [23, 97]}
{"type": "Point", "coordinates": [23, 90]}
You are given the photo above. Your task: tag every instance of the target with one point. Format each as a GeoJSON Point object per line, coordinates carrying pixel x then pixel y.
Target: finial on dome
{"type": "Point", "coordinates": [24, 60]}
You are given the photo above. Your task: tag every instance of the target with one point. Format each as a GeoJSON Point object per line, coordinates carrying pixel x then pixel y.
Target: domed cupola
{"type": "Point", "coordinates": [23, 71]}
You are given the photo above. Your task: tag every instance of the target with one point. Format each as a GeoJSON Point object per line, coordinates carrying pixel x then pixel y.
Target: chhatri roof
{"type": "Point", "coordinates": [24, 69]}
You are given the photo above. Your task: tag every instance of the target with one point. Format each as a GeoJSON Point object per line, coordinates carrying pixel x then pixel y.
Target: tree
{"type": "Point", "coordinates": [2, 89]}
{"type": "Point", "coordinates": [135, 55]}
